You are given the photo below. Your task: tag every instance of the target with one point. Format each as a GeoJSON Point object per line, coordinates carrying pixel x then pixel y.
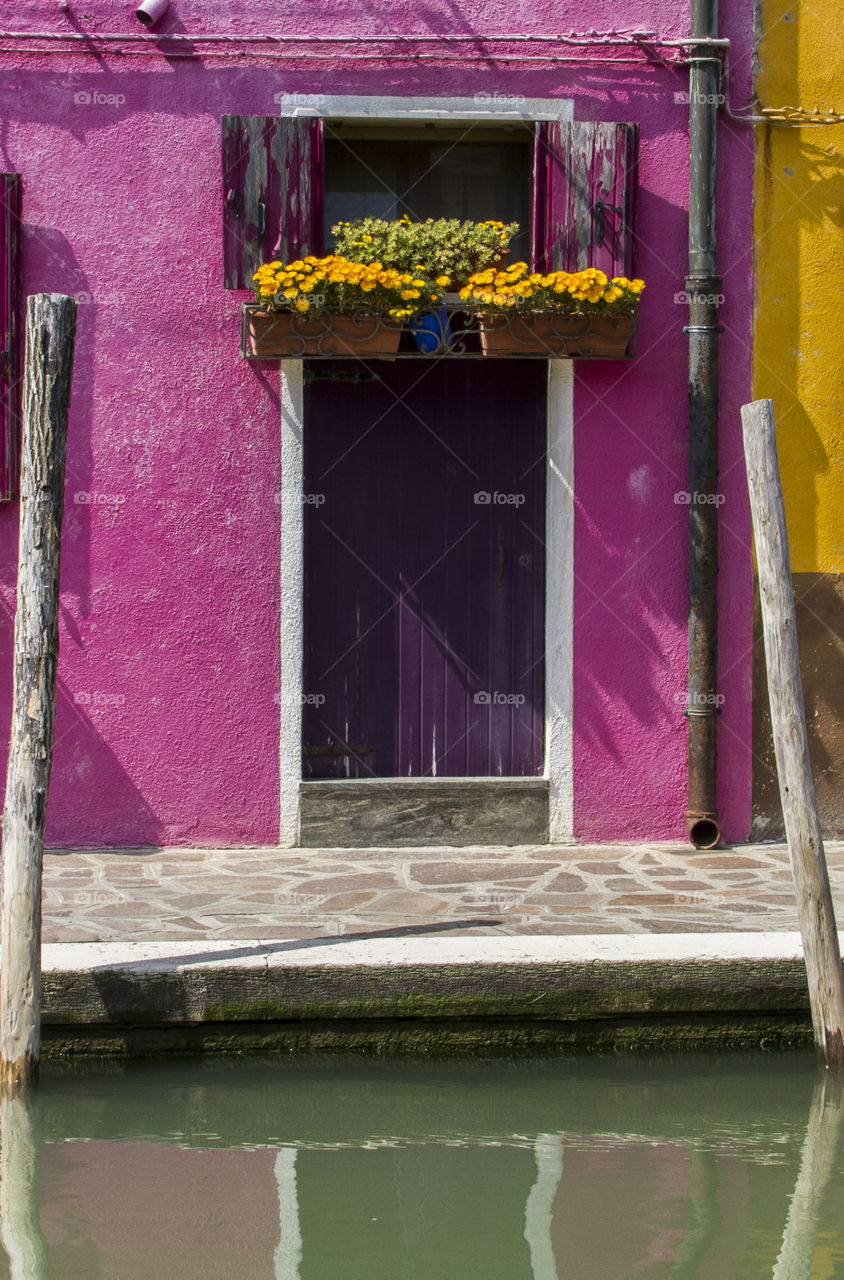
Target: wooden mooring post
{"type": "Point", "coordinates": [791, 745]}
{"type": "Point", "coordinates": [50, 334]}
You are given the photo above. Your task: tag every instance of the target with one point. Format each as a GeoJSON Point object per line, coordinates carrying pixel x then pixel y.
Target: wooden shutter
{"type": "Point", "coordinates": [272, 192]}
{"type": "Point", "coordinates": [584, 183]}
{"type": "Point", "coordinates": [10, 363]}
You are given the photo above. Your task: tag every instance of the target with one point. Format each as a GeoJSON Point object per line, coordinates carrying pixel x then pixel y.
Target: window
{"type": "Point", "coordinates": [286, 180]}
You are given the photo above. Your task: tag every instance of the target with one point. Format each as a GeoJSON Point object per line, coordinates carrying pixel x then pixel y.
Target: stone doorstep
{"type": "Point", "coordinates": [406, 812]}
{"type": "Point", "coordinates": [547, 978]}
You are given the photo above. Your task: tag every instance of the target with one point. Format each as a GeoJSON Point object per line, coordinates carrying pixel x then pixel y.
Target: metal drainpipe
{"type": "Point", "coordinates": [703, 287]}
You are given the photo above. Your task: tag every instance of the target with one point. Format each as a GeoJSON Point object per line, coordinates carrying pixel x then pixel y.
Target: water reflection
{"type": "Point", "coordinates": [288, 1253]}
{"type": "Point", "coordinates": [670, 1169]}
{"type": "Point", "coordinates": [818, 1165]}
{"type": "Point", "coordinates": [539, 1210]}
{"type": "Point", "coordinates": [20, 1189]}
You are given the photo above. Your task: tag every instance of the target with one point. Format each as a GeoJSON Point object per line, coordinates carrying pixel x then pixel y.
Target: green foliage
{"type": "Point", "coordinates": [438, 246]}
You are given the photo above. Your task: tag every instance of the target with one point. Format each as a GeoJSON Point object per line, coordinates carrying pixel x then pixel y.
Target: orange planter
{"type": "Point", "coordinates": [277, 335]}
{"type": "Point", "coordinates": [550, 333]}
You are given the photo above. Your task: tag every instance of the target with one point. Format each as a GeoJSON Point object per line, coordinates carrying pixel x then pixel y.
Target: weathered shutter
{"type": "Point", "coordinates": [272, 192]}
{"type": "Point", "coordinates": [584, 185]}
{"type": "Point", "coordinates": [10, 365]}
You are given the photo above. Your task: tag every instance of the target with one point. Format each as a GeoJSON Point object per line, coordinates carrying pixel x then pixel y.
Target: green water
{"type": "Point", "coordinates": [590, 1169]}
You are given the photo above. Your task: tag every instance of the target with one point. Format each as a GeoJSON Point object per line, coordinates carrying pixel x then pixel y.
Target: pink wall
{"type": "Point", "coordinates": [168, 720]}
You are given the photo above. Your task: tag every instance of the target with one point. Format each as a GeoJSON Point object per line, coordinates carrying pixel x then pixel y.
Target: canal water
{"type": "Point", "coordinates": [595, 1168]}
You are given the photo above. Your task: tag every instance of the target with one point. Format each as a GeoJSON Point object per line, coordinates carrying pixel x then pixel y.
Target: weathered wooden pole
{"type": "Point", "coordinates": [791, 745]}
{"type": "Point", "coordinates": [50, 333]}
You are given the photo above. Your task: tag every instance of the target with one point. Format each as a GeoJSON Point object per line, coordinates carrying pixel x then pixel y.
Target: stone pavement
{"type": "Point", "coordinates": [159, 895]}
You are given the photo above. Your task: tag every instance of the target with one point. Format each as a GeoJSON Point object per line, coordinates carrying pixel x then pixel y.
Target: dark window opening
{"type": "Point", "coordinates": [428, 171]}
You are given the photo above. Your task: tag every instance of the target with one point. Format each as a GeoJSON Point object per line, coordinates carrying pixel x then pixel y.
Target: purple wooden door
{"type": "Point", "coordinates": [424, 569]}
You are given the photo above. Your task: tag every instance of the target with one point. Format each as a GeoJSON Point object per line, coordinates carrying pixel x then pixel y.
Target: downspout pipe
{"type": "Point", "coordinates": [703, 288]}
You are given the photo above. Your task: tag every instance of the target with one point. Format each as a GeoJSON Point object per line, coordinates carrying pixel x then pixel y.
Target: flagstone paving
{"type": "Point", "coordinates": [161, 894]}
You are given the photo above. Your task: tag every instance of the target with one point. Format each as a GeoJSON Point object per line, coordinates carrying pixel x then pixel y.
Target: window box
{"type": "Point", "coordinates": [274, 335]}
{"type": "Point", "coordinates": [552, 334]}
{"type": "Point", "coordinates": [469, 334]}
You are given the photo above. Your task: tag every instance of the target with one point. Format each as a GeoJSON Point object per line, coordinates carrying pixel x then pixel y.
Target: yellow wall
{"type": "Point", "coordinates": [799, 224]}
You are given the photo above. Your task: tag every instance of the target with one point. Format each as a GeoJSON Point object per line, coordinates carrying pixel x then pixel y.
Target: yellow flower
{"type": "Point", "coordinates": [302, 304]}
{"type": "Point", "coordinates": [443, 281]}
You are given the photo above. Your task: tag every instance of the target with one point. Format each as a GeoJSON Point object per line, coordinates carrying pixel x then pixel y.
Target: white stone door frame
{"type": "Point", "coordinates": [559, 495]}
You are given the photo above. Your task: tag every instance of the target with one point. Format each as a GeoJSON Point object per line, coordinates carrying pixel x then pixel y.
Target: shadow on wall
{"type": "Point", "coordinates": [83, 764]}
{"type": "Point", "coordinates": [50, 266]}
{"type": "Point", "coordinates": [631, 462]}
{"type": "Point", "coordinates": [801, 182]}
{"type": "Point", "coordinates": [819, 607]}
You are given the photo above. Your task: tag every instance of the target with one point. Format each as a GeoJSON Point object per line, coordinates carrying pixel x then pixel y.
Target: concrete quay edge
{"type": "Point", "coordinates": [465, 984]}
{"type": "Point", "coordinates": [437, 952]}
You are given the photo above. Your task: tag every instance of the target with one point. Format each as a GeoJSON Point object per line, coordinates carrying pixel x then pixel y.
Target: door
{"type": "Point", "coordinates": [424, 569]}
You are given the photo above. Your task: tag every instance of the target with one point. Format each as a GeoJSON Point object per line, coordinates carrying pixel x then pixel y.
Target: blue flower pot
{"type": "Point", "coordinates": [431, 332]}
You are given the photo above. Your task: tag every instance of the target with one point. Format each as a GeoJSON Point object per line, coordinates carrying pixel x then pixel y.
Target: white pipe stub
{"type": "Point", "coordinates": [151, 10]}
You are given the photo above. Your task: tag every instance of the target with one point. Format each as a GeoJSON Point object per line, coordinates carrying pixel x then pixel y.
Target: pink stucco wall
{"type": "Point", "coordinates": [168, 716]}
